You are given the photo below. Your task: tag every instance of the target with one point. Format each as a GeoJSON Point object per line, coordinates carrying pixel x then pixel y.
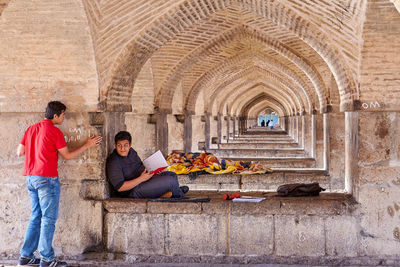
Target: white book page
{"type": "Point", "coordinates": [155, 161]}
{"type": "Point", "coordinates": [248, 199]}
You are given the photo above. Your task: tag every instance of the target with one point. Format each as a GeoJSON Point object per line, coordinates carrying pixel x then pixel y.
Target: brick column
{"type": "Point", "coordinates": [219, 126]}
{"type": "Point", "coordinates": [234, 127]}
{"type": "Point", "coordinates": [326, 141]}
{"type": "Point", "coordinates": [207, 127]}
{"type": "Point", "coordinates": [313, 134]}
{"type": "Point", "coordinates": [162, 131]}
{"type": "Point", "coordinates": [297, 128]}
{"type": "Point", "coordinates": [188, 132]}
{"type": "Point", "coordinates": [351, 152]}
{"type": "Point", "coordinates": [303, 130]}
{"type": "Point", "coordinates": [228, 119]}
{"type": "Point", "coordinates": [286, 123]}
{"type": "Point", "coordinates": [115, 122]}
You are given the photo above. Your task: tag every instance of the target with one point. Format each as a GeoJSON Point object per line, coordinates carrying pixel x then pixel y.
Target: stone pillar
{"type": "Point", "coordinates": [228, 118]}
{"type": "Point", "coordinates": [219, 128]}
{"type": "Point", "coordinates": [326, 141]}
{"type": "Point", "coordinates": [292, 127]}
{"type": "Point", "coordinates": [286, 123]}
{"type": "Point", "coordinates": [297, 127]}
{"type": "Point", "coordinates": [207, 127]}
{"type": "Point", "coordinates": [303, 131]}
{"type": "Point", "coordinates": [313, 135]}
{"type": "Point", "coordinates": [351, 152]}
{"type": "Point", "coordinates": [234, 127]}
{"type": "Point", "coordinates": [188, 132]}
{"type": "Point", "coordinates": [115, 122]}
{"type": "Point", "coordinates": [162, 131]}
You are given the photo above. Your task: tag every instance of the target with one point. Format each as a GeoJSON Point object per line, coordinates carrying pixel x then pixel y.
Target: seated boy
{"type": "Point", "coordinates": [126, 173]}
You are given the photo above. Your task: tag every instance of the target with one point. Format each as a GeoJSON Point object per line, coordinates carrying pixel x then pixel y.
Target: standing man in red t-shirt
{"type": "Point", "coordinates": [41, 144]}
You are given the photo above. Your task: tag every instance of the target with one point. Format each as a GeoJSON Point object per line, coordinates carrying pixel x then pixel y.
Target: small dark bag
{"type": "Point", "coordinates": [299, 190]}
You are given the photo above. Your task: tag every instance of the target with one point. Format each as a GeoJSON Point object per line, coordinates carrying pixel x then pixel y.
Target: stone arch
{"type": "Point", "coordinates": [142, 45]}
{"type": "Point", "coordinates": [251, 92]}
{"type": "Point", "coordinates": [257, 99]}
{"type": "Point", "coordinates": [206, 78]}
{"type": "Point", "coordinates": [255, 110]}
{"type": "Point", "coordinates": [249, 72]}
{"type": "Point", "coordinates": [229, 36]}
{"type": "Point", "coordinates": [309, 71]}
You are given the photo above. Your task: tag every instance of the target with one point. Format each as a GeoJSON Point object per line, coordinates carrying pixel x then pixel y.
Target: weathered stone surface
{"type": "Point", "coordinates": [262, 182]}
{"type": "Point", "coordinates": [342, 236]}
{"type": "Point", "coordinates": [313, 206]}
{"type": "Point", "coordinates": [75, 211]}
{"type": "Point", "coordinates": [94, 189]}
{"type": "Point", "coordinates": [33, 77]}
{"type": "Point", "coordinates": [196, 234]}
{"type": "Point", "coordinates": [125, 205]}
{"type": "Point", "coordinates": [175, 135]}
{"type": "Point", "coordinates": [191, 56]}
{"type": "Point", "coordinates": [299, 235]}
{"type": "Point", "coordinates": [135, 233]}
{"type": "Point", "coordinates": [13, 198]}
{"type": "Point", "coordinates": [216, 206]}
{"type": "Point", "coordinates": [143, 138]}
{"type": "Point", "coordinates": [380, 225]}
{"type": "Point", "coordinates": [173, 207]}
{"type": "Point", "coordinates": [251, 235]}
{"type": "Point", "coordinates": [269, 206]}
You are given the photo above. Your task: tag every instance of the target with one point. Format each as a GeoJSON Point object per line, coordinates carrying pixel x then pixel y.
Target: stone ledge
{"type": "Point", "coordinates": [326, 204]}
{"type": "Point", "coordinates": [257, 182]}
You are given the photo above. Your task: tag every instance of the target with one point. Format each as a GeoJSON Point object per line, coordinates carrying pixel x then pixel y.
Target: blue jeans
{"type": "Point", "coordinates": [157, 185]}
{"type": "Point", "coordinates": [45, 195]}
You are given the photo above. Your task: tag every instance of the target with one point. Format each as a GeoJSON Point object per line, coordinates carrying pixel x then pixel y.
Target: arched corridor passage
{"type": "Point", "coordinates": [194, 76]}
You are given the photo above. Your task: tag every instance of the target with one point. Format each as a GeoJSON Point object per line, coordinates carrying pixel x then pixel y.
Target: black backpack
{"type": "Point", "coordinates": [299, 190]}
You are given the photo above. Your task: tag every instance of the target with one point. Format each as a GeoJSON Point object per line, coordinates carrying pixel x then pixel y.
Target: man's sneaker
{"type": "Point", "coordinates": [24, 261]}
{"type": "Point", "coordinates": [184, 189]}
{"type": "Point", "coordinates": [53, 263]}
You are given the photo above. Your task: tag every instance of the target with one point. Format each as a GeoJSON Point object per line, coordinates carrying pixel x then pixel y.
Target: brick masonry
{"type": "Point", "coordinates": [227, 58]}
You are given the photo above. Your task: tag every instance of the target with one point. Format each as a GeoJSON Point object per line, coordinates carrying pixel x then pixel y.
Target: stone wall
{"type": "Point", "coordinates": [274, 227]}
{"type": "Point", "coordinates": [379, 180]}
{"type": "Point", "coordinates": [79, 227]}
{"type": "Point", "coordinates": [46, 54]}
{"type": "Point", "coordinates": [70, 51]}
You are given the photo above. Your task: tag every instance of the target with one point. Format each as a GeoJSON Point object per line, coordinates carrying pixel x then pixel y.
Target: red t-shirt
{"type": "Point", "coordinates": [42, 141]}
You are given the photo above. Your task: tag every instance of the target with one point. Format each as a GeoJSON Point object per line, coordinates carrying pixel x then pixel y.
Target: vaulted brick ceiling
{"type": "Point", "coordinates": [306, 53]}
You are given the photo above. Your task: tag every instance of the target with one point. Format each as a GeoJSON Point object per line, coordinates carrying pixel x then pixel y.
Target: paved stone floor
{"type": "Point", "coordinates": [11, 263]}
{"type": "Point", "coordinates": [114, 264]}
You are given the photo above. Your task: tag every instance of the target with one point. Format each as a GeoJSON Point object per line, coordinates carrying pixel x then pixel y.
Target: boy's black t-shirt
{"type": "Point", "coordinates": [120, 169]}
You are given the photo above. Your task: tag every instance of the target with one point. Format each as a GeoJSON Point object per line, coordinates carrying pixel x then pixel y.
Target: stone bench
{"type": "Point", "coordinates": [276, 227]}
{"type": "Point", "coordinates": [260, 182]}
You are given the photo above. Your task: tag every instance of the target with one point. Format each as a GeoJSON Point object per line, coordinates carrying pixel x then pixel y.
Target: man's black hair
{"type": "Point", "coordinates": [123, 135]}
{"type": "Point", "coordinates": [54, 107]}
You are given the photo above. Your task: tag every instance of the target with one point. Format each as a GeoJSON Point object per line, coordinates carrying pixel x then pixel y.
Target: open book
{"type": "Point", "coordinates": [155, 163]}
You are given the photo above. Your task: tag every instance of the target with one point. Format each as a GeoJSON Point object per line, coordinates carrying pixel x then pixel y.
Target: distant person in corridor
{"type": "Point", "coordinates": [41, 144]}
{"type": "Point", "coordinates": [128, 176]}
{"type": "Point", "coordinates": [271, 124]}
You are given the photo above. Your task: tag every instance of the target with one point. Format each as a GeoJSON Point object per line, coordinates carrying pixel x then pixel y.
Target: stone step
{"type": "Point", "coordinates": [258, 152]}
{"type": "Point", "coordinates": [264, 145]}
{"type": "Point", "coordinates": [265, 131]}
{"type": "Point", "coordinates": [261, 140]}
{"type": "Point", "coordinates": [134, 227]}
{"type": "Point", "coordinates": [262, 136]}
{"type": "Point", "coordinates": [259, 182]}
{"type": "Point", "coordinates": [283, 162]}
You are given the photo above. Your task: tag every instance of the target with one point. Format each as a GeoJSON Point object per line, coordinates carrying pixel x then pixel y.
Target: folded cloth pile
{"type": "Point", "coordinates": [186, 163]}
